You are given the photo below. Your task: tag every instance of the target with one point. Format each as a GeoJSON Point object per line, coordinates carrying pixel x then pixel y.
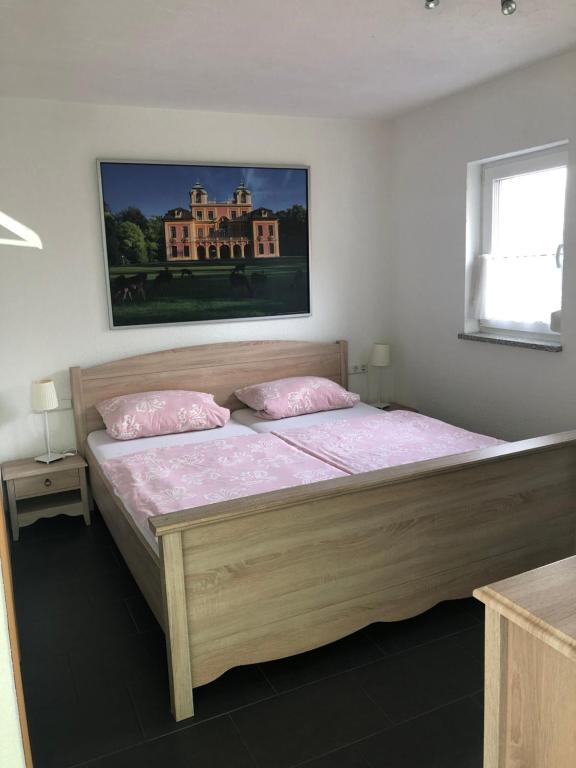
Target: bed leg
{"type": "Point", "coordinates": [176, 625]}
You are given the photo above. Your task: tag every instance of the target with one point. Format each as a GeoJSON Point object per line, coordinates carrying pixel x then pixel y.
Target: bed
{"type": "Point", "coordinates": [252, 579]}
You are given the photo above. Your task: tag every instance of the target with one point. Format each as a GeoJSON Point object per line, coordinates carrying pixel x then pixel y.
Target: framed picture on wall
{"type": "Point", "coordinates": [189, 243]}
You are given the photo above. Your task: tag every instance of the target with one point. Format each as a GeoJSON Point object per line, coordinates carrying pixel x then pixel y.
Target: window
{"type": "Point", "coordinates": [211, 231]}
{"type": "Point", "coordinates": [199, 215]}
{"type": "Point", "coordinates": [260, 230]}
{"type": "Point", "coordinates": [211, 215]}
{"type": "Point", "coordinates": [174, 251]}
{"type": "Point", "coordinates": [516, 285]}
{"type": "Point", "coordinates": [271, 229]}
{"type": "Point", "coordinates": [261, 248]}
{"type": "Point", "coordinates": [186, 233]}
{"type": "Point", "coordinates": [186, 251]}
{"type": "Point", "coordinates": [271, 247]}
{"type": "Point", "coordinates": [172, 231]}
{"type": "Point", "coordinates": [234, 214]}
{"type": "Point", "coordinates": [200, 231]}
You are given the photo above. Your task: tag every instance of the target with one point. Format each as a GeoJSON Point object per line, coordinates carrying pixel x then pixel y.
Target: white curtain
{"type": "Point", "coordinates": [515, 289]}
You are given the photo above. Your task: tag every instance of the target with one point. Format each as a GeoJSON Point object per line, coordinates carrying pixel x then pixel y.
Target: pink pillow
{"type": "Point", "coordinates": [295, 396]}
{"type": "Point", "coordinates": [147, 414]}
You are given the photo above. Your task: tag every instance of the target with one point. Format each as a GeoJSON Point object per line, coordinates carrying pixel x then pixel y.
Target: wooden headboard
{"type": "Point", "coordinates": [216, 368]}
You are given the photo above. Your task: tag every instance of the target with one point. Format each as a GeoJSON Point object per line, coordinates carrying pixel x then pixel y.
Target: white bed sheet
{"type": "Point", "coordinates": [248, 418]}
{"type": "Point", "coordinates": [105, 447]}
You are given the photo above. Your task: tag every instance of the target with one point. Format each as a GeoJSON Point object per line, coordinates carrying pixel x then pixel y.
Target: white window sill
{"type": "Point", "coordinates": [513, 341]}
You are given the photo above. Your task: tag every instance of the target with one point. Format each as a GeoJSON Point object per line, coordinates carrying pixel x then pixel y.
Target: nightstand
{"type": "Point", "coordinates": [45, 490]}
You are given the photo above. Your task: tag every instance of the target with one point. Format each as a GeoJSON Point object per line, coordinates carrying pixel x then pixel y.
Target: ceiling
{"type": "Point", "coordinates": [369, 58]}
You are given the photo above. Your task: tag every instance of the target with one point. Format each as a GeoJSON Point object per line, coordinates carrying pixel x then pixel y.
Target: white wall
{"type": "Point", "coordinates": [53, 302]}
{"type": "Point", "coordinates": [504, 391]}
{"type": "Point", "coordinates": [11, 751]}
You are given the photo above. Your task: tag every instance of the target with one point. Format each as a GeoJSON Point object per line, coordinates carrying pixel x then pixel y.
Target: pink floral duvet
{"type": "Point", "coordinates": [383, 440]}
{"type": "Point", "coordinates": [168, 479]}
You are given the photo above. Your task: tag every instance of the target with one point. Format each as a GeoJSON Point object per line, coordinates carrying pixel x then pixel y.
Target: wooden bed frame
{"type": "Point", "coordinates": [268, 576]}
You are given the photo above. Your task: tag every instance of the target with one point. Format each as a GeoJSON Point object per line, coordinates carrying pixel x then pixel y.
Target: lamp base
{"type": "Point", "coordinates": [382, 406]}
{"type": "Point", "coordinates": [48, 458]}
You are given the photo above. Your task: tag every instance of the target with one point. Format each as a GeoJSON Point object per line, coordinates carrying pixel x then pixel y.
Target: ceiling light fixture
{"type": "Point", "coordinates": [508, 6]}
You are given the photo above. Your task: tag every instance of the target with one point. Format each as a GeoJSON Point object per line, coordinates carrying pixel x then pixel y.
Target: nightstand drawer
{"type": "Point", "coordinates": [51, 482]}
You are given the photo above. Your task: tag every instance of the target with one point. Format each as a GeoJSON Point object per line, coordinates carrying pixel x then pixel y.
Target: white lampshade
{"type": "Point", "coordinates": [380, 355]}
{"type": "Point", "coordinates": [44, 397]}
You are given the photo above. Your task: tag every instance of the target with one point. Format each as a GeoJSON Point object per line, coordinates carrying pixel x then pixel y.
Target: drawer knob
{"type": "Point", "coordinates": [47, 482]}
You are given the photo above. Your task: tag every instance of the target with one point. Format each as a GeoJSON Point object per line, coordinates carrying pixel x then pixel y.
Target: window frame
{"type": "Point", "coordinates": [531, 161]}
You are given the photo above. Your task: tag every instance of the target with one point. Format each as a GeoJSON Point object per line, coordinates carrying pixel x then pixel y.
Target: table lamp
{"type": "Point", "coordinates": [44, 399]}
{"type": "Point", "coordinates": [380, 359]}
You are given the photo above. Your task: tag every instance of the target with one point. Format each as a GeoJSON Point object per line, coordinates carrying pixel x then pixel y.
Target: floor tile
{"type": "Point", "coordinates": [141, 614]}
{"type": "Point", "coordinates": [60, 558]}
{"type": "Point", "coordinates": [308, 722]}
{"type": "Point", "coordinates": [47, 678]}
{"type": "Point", "coordinates": [76, 626]}
{"type": "Point", "coordinates": [81, 729]}
{"type": "Point", "coordinates": [475, 607]}
{"type": "Point", "coordinates": [116, 584]}
{"type": "Point", "coordinates": [473, 641]}
{"type": "Point", "coordinates": [237, 688]}
{"type": "Point", "coordinates": [104, 665]}
{"type": "Point", "coordinates": [442, 620]}
{"type": "Point", "coordinates": [350, 652]}
{"type": "Point", "coordinates": [408, 684]}
{"type": "Point", "coordinates": [214, 744]}
{"type": "Point", "coordinates": [450, 737]}
{"type": "Point", "coordinates": [40, 600]}
{"type": "Point", "coordinates": [348, 757]}
{"type": "Point", "coordinates": [478, 699]}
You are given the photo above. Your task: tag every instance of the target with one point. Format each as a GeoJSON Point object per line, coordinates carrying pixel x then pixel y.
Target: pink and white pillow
{"type": "Point", "coordinates": [148, 414]}
{"type": "Point", "coordinates": [295, 396]}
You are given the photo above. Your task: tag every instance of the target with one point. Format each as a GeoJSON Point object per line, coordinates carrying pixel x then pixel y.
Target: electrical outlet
{"type": "Point", "coordinates": [357, 368]}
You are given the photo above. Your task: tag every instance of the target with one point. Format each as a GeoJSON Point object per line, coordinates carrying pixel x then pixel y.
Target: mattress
{"type": "Point", "coordinates": [385, 440]}
{"type": "Point", "coordinates": [248, 418]}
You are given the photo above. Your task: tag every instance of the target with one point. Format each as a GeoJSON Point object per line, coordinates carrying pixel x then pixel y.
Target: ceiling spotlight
{"type": "Point", "coordinates": [508, 7]}
{"type": "Point", "coordinates": [431, 3]}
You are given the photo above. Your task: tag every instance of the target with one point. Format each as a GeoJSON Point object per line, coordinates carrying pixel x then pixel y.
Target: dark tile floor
{"type": "Point", "coordinates": [402, 695]}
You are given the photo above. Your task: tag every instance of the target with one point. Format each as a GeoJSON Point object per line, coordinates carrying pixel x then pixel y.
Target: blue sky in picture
{"type": "Point", "coordinates": [157, 188]}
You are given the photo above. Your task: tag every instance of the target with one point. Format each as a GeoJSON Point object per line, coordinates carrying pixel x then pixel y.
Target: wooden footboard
{"type": "Point", "coordinates": [273, 575]}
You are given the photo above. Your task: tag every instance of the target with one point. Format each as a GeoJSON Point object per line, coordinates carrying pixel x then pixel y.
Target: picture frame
{"type": "Point", "coordinates": [204, 242]}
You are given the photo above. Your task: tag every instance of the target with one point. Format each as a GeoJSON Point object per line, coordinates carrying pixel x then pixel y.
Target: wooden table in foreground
{"type": "Point", "coordinates": [530, 698]}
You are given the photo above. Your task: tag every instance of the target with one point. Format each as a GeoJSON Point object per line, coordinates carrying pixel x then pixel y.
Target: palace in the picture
{"type": "Point", "coordinates": [231, 229]}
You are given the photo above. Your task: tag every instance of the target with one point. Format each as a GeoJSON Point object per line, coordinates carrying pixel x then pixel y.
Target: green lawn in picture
{"type": "Point", "coordinates": [192, 291]}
